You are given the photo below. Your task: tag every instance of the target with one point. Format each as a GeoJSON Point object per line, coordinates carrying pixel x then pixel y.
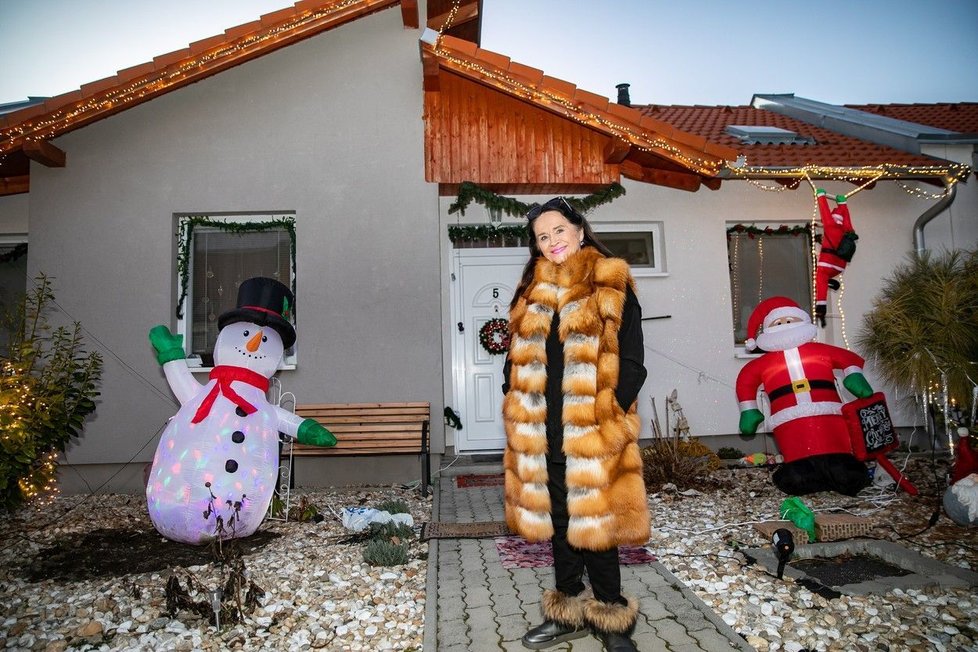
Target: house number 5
{"type": "Point", "coordinates": [495, 293]}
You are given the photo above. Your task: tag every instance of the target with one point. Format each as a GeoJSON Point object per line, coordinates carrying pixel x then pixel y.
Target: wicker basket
{"type": "Point", "coordinates": [833, 527]}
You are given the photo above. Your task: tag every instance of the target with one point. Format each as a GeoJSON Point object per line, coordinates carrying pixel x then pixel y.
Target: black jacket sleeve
{"type": "Point", "coordinates": [506, 367]}
{"type": "Point", "coordinates": [631, 347]}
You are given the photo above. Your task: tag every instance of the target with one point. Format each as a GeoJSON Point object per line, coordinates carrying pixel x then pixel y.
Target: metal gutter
{"type": "Point", "coordinates": [950, 192]}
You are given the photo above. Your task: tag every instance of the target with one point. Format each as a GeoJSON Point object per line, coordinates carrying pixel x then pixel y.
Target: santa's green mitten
{"type": "Point", "coordinates": [313, 434]}
{"type": "Point", "coordinates": [749, 420]}
{"type": "Point", "coordinates": [857, 384]}
{"type": "Point", "coordinates": [168, 346]}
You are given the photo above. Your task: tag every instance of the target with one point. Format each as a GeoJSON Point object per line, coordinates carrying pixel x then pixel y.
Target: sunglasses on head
{"type": "Point", "coordinates": [550, 205]}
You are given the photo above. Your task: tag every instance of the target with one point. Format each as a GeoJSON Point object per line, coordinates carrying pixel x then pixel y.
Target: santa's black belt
{"type": "Point", "coordinates": [800, 386]}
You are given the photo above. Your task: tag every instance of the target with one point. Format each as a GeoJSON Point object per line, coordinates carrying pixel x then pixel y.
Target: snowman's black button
{"type": "Point", "coordinates": [240, 412]}
{"type": "Point", "coordinates": [237, 437]}
{"type": "Point", "coordinates": [230, 466]}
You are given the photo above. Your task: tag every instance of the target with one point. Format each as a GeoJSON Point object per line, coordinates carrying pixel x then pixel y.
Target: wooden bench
{"type": "Point", "coordinates": [373, 429]}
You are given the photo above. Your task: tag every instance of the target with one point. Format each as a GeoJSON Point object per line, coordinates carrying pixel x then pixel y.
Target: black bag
{"type": "Point", "coordinates": [847, 246]}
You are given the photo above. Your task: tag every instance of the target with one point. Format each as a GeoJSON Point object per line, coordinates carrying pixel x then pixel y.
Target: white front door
{"type": "Point", "coordinates": [485, 280]}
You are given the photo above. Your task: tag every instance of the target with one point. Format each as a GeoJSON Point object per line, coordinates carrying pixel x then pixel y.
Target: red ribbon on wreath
{"type": "Point", "coordinates": [494, 336]}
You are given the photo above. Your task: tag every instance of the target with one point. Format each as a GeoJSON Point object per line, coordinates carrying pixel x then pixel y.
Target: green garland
{"type": "Point", "coordinates": [752, 230]}
{"type": "Point", "coordinates": [185, 235]}
{"type": "Point", "coordinates": [18, 251]}
{"type": "Point", "coordinates": [469, 192]}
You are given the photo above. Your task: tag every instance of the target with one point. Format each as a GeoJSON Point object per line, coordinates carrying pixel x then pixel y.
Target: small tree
{"type": "Point", "coordinates": [925, 322]}
{"type": "Point", "coordinates": [47, 389]}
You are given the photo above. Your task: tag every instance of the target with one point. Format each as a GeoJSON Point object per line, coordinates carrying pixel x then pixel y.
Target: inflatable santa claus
{"type": "Point", "coordinates": [798, 376]}
{"type": "Point", "coordinates": [837, 249]}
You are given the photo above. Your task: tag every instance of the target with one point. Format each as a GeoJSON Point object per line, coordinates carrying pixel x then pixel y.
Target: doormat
{"type": "Point", "coordinates": [517, 552]}
{"type": "Point", "coordinates": [466, 481]}
{"type": "Point", "coordinates": [477, 530]}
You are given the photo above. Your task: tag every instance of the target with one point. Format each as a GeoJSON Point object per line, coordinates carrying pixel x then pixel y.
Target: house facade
{"type": "Point", "coordinates": [356, 128]}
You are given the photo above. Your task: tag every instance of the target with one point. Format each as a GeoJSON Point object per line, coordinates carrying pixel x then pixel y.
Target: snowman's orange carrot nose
{"type": "Point", "coordinates": [254, 342]}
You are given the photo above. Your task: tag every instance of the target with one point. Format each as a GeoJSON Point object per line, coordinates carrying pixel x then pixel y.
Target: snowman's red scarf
{"type": "Point", "coordinates": [225, 375]}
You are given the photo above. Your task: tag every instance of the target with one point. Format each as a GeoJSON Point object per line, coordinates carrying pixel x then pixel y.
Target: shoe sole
{"type": "Point", "coordinates": [563, 638]}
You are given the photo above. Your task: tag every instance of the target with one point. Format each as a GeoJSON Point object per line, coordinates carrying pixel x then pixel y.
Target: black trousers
{"type": "Point", "coordinates": [570, 563]}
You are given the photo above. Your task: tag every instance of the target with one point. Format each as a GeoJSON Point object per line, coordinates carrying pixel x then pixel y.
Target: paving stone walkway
{"type": "Point", "coordinates": [475, 604]}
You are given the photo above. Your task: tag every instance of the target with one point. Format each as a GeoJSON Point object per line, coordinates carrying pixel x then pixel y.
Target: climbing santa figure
{"type": "Point", "coordinates": [837, 249]}
{"type": "Point", "coordinates": [798, 376]}
{"type": "Point", "coordinates": [217, 461]}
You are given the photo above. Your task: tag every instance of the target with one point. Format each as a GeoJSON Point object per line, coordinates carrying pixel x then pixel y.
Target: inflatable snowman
{"type": "Point", "coordinates": [217, 462]}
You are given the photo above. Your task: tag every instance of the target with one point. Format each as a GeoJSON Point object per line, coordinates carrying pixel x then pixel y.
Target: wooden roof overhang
{"type": "Point", "coordinates": [511, 128]}
{"type": "Point", "coordinates": [25, 134]}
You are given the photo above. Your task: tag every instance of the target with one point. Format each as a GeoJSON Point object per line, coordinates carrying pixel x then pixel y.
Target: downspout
{"type": "Point", "coordinates": [950, 191]}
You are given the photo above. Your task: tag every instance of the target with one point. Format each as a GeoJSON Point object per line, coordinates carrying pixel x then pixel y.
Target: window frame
{"type": "Point", "coordinates": [655, 228]}
{"type": "Point", "coordinates": [186, 227]}
{"type": "Point", "coordinates": [740, 350]}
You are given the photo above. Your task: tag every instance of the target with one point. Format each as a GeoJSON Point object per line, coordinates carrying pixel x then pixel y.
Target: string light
{"type": "Point", "coordinates": [735, 255]}
{"type": "Point", "coordinates": [571, 110]}
{"type": "Point", "coordinates": [61, 119]}
{"type": "Point", "coordinates": [842, 314]}
{"type": "Point", "coordinates": [760, 268]}
{"type": "Point", "coordinates": [949, 172]}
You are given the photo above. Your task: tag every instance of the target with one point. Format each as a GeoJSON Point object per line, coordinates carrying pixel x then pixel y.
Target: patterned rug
{"type": "Point", "coordinates": [477, 530]}
{"type": "Point", "coordinates": [465, 481]}
{"type": "Point", "coordinates": [517, 552]}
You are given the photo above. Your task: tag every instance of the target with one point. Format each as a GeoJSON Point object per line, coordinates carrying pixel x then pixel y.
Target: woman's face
{"type": "Point", "coordinates": [556, 237]}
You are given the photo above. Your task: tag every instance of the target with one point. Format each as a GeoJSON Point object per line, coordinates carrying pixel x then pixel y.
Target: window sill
{"type": "Point", "coordinates": [638, 272]}
{"type": "Point", "coordinates": [741, 354]}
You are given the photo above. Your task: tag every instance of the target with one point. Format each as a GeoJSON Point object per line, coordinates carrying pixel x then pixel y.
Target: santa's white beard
{"type": "Point", "coordinates": [786, 336]}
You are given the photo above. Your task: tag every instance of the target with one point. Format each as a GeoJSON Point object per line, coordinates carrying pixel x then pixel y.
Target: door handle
{"type": "Point", "coordinates": [461, 327]}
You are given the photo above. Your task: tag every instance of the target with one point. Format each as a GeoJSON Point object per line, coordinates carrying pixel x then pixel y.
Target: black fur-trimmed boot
{"type": "Point", "coordinates": [563, 621]}
{"type": "Point", "coordinates": [613, 623]}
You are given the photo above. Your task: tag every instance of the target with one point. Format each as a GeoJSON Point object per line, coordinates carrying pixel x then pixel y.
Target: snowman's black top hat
{"type": "Point", "coordinates": [266, 302]}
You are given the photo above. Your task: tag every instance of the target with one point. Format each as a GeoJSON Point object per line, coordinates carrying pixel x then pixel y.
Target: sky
{"type": "Point", "coordinates": [704, 52]}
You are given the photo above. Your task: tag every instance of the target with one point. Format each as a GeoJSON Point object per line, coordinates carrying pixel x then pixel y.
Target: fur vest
{"type": "Point", "coordinates": [606, 496]}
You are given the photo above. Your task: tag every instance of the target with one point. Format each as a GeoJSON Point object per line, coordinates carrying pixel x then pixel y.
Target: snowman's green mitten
{"type": "Point", "coordinates": [313, 434]}
{"type": "Point", "coordinates": [749, 420]}
{"type": "Point", "coordinates": [168, 346]}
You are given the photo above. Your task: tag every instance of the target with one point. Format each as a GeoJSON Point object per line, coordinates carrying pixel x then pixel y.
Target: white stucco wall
{"type": "Point", "coordinates": [14, 214]}
{"type": "Point", "coordinates": [693, 351]}
{"type": "Point", "coordinates": [329, 128]}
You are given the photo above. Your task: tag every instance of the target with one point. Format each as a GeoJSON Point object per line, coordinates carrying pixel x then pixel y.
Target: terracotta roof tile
{"type": "Point", "coordinates": [961, 117]}
{"type": "Point", "coordinates": [830, 148]}
{"type": "Point", "coordinates": [94, 87]}
{"type": "Point", "coordinates": [532, 75]}
{"type": "Point", "coordinates": [599, 102]}
{"type": "Point", "coordinates": [170, 58]}
{"type": "Point", "coordinates": [279, 16]}
{"type": "Point", "coordinates": [242, 30]}
{"type": "Point", "coordinates": [493, 58]}
{"type": "Point", "coordinates": [565, 88]}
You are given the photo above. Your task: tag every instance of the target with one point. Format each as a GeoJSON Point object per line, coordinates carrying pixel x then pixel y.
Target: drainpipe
{"type": "Point", "coordinates": [950, 191]}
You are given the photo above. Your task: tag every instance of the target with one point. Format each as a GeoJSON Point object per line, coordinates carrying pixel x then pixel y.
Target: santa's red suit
{"type": "Point", "coordinates": [834, 224]}
{"type": "Point", "coordinates": [798, 376]}
{"type": "Point", "coordinates": [806, 410]}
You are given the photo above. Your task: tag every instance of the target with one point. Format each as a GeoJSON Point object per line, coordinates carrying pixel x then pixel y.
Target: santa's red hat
{"type": "Point", "coordinates": [766, 312]}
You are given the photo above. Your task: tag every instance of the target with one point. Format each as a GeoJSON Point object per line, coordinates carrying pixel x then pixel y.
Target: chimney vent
{"type": "Point", "coordinates": [623, 98]}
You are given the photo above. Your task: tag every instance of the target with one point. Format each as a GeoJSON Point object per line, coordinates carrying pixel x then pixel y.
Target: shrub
{"type": "Point", "coordinates": [391, 531]}
{"type": "Point", "coordinates": [393, 507]}
{"type": "Point", "coordinates": [47, 390]}
{"type": "Point", "coordinates": [728, 453]}
{"type": "Point", "coordinates": [385, 553]}
{"type": "Point", "coordinates": [925, 322]}
{"type": "Point", "coordinates": [685, 463]}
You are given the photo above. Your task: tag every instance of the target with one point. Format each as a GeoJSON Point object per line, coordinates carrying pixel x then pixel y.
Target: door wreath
{"type": "Point", "coordinates": [494, 336]}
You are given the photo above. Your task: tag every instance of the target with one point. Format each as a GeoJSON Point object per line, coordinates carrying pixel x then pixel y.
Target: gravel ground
{"type": "Point", "coordinates": [67, 576]}
{"type": "Point", "coordinates": [697, 538]}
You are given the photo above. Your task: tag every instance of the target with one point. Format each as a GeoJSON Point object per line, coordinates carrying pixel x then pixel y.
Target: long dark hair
{"type": "Point", "coordinates": [573, 216]}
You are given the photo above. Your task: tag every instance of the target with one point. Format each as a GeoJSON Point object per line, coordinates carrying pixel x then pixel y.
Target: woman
{"type": "Point", "coordinates": [572, 464]}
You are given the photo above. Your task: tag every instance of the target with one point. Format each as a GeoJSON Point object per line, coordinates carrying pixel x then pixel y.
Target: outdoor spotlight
{"type": "Point", "coordinates": [784, 545]}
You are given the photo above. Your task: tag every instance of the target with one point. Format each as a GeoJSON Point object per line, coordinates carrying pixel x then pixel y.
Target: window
{"type": "Point", "coordinates": [13, 280]}
{"type": "Point", "coordinates": [639, 244]}
{"type": "Point", "coordinates": [216, 254]}
{"type": "Point", "coordinates": [766, 262]}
